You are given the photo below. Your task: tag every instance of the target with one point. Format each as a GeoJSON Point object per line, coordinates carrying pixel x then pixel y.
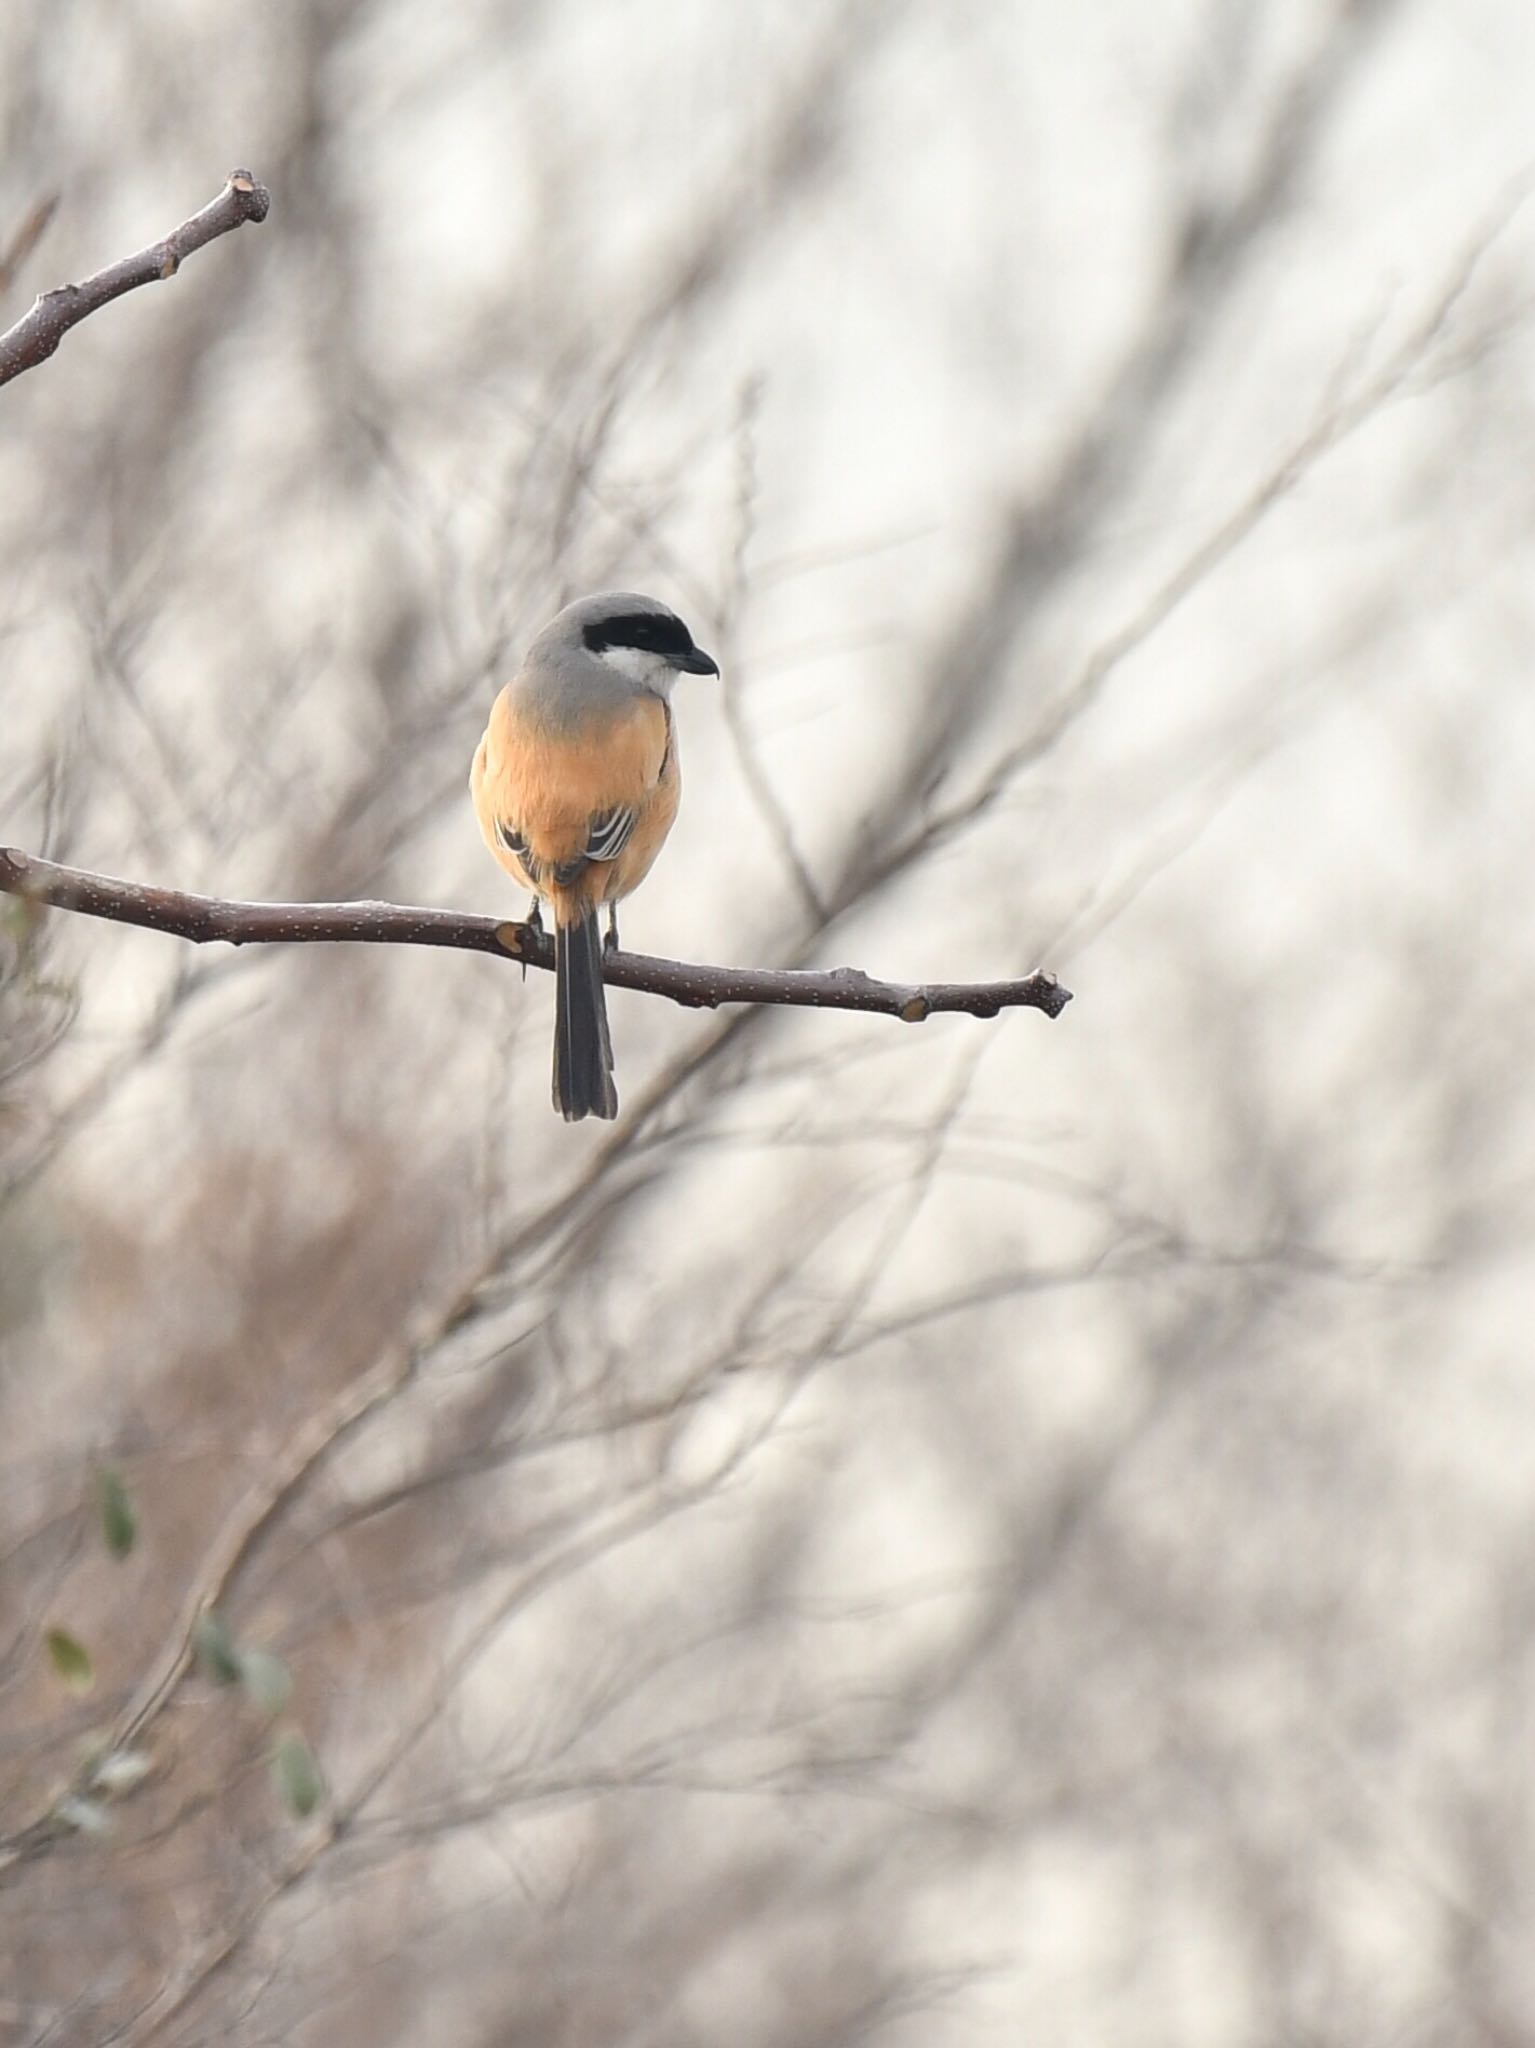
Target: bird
{"type": "Point", "coordinates": [575, 785]}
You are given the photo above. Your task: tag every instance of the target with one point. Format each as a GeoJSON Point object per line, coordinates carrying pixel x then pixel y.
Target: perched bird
{"type": "Point", "coordinates": [575, 785]}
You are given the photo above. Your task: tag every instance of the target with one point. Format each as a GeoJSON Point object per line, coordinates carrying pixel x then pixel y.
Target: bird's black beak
{"type": "Point", "coordinates": [696, 662]}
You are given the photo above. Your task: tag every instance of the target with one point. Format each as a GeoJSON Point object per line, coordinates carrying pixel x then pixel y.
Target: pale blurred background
{"type": "Point", "coordinates": [983, 1533]}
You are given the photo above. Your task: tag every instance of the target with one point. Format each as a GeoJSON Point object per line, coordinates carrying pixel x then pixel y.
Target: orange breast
{"type": "Point", "coordinates": [548, 786]}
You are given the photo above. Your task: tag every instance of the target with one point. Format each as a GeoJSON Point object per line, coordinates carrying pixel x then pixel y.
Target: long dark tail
{"type": "Point", "coordinates": [583, 1053]}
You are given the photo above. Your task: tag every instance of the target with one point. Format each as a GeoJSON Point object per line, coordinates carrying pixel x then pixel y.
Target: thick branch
{"type": "Point", "coordinates": [201, 918]}
{"type": "Point", "coordinates": [38, 333]}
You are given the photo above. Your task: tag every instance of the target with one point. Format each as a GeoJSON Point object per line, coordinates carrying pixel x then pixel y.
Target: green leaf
{"type": "Point", "coordinates": [297, 1776]}
{"type": "Point", "coordinates": [266, 1680]}
{"type": "Point", "coordinates": [71, 1660]}
{"type": "Point", "coordinates": [214, 1648]}
{"type": "Point", "coordinates": [119, 1524]}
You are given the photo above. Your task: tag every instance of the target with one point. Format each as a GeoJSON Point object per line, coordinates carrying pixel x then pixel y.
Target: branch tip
{"type": "Point", "coordinates": [256, 199]}
{"type": "Point", "coordinates": [35, 336]}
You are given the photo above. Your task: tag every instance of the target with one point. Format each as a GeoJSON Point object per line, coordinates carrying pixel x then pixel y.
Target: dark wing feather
{"type": "Point", "coordinates": [517, 847]}
{"type": "Point", "coordinates": [608, 832]}
{"type": "Point", "coordinates": [607, 835]}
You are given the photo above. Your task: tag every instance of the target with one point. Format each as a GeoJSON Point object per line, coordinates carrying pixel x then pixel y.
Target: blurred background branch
{"type": "Point", "coordinates": [32, 228]}
{"type": "Point", "coordinates": [916, 1539]}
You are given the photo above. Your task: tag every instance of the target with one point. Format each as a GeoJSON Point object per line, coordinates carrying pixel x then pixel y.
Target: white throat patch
{"type": "Point", "coordinates": [641, 665]}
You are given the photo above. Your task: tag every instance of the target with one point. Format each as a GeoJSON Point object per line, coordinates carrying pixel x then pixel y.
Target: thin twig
{"type": "Point", "coordinates": [204, 918]}
{"type": "Point", "coordinates": [1349, 412]}
{"type": "Point", "coordinates": [34, 226]}
{"type": "Point", "coordinates": [39, 331]}
{"type": "Point", "coordinates": [763, 794]}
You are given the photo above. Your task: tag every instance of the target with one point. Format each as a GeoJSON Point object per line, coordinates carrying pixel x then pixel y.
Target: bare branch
{"type": "Point", "coordinates": [1350, 410]}
{"type": "Point", "coordinates": [38, 332]}
{"type": "Point", "coordinates": [204, 918]}
{"type": "Point", "coordinates": [763, 794]}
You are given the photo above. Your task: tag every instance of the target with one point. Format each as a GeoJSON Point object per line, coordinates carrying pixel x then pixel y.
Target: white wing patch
{"type": "Point", "coordinates": [608, 832]}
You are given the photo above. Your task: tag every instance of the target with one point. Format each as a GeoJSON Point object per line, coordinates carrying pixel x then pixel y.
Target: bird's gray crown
{"type": "Point", "coordinates": [614, 642]}
{"type": "Point", "coordinates": [616, 618]}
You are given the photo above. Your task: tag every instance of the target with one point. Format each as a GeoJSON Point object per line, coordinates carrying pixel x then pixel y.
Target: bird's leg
{"type": "Point", "coordinates": [610, 943]}
{"type": "Point", "coordinates": [533, 922]}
